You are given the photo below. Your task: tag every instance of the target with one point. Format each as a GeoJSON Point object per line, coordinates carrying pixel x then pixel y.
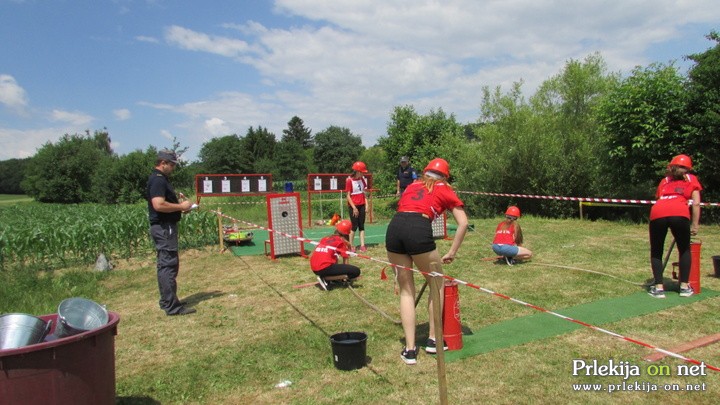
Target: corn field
{"type": "Point", "coordinates": [48, 236]}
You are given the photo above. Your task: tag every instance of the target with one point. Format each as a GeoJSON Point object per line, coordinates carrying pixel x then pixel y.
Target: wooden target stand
{"type": "Point", "coordinates": [334, 183]}
{"type": "Point", "coordinates": [230, 185]}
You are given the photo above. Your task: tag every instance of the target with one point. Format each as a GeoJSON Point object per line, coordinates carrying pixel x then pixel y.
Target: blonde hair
{"type": "Point", "coordinates": [432, 178]}
{"type": "Point", "coordinates": [507, 223]}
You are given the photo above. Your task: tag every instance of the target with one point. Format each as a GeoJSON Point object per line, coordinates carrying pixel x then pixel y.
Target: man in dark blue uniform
{"type": "Point", "coordinates": [406, 175]}
{"type": "Point", "coordinates": [165, 211]}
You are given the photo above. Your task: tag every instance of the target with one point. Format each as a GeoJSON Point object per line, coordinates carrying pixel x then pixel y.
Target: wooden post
{"type": "Point", "coordinates": [220, 230]}
{"type": "Point", "coordinates": [580, 203]}
{"type": "Point", "coordinates": [436, 287]}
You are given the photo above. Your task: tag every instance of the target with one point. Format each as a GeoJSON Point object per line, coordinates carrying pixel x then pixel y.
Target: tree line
{"type": "Point", "coordinates": [585, 132]}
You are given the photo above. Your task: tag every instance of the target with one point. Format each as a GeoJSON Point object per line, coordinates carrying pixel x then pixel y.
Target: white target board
{"type": "Point", "coordinates": [439, 227]}
{"type": "Point", "coordinates": [285, 222]}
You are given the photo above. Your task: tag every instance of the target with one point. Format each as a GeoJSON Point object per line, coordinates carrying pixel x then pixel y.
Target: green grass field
{"type": "Point", "coordinates": [10, 199]}
{"type": "Point", "coordinates": [254, 327]}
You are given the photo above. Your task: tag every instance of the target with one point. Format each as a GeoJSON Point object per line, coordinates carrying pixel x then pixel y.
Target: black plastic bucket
{"type": "Point", "coordinates": [348, 350]}
{"type": "Point", "coordinates": [716, 265]}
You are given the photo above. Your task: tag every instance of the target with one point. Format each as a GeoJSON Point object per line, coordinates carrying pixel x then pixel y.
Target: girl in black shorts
{"type": "Point", "coordinates": [409, 241]}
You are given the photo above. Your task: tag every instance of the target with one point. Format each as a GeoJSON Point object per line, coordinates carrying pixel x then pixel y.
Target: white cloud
{"type": "Point", "coordinates": [122, 114]}
{"type": "Point", "coordinates": [351, 62]}
{"type": "Point", "coordinates": [166, 134]}
{"type": "Point", "coordinates": [216, 127]}
{"type": "Point", "coordinates": [195, 41]}
{"type": "Point", "coordinates": [151, 40]}
{"type": "Point", "coordinates": [75, 118]}
{"type": "Point", "coordinates": [11, 94]}
{"type": "Point", "coordinates": [18, 144]}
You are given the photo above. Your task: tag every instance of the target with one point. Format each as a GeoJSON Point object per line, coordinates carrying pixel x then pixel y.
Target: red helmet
{"type": "Point", "coordinates": [359, 167]}
{"type": "Point", "coordinates": [344, 227]}
{"type": "Point", "coordinates": [513, 211]}
{"type": "Point", "coordinates": [439, 165]}
{"type": "Point", "coordinates": [682, 160]}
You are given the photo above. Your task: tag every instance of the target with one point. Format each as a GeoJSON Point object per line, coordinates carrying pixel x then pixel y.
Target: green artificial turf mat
{"type": "Point", "coordinates": [542, 325]}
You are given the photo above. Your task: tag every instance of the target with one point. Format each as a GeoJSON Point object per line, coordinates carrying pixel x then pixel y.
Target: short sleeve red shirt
{"type": "Point", "coordinates": [417, 198]}
{"type": "Point", "coordinates": [324, 255]}
{"type": "Point", "coordinates": [504, 236]}
{"type": "Point", "coordinates": [673, 196]}
{"type": "Point", "coordinates": [356, 189]}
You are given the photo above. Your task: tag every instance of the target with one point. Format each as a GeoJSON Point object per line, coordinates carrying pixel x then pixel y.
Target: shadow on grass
{"type": "Point", "coordinates": [422, 333]}
{"type": "Point", "coordinates": [670, 284]}
{"type": "Point", "coordinates": [136, 401]}
{"type": "Point", "coordinates": [197, 298]}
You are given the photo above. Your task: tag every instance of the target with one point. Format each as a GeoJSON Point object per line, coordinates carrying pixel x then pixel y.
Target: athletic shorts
{"type": "Point", "coordinates": [358, 222]}
{"type": "Point", "coordinates": [505, 250]}
{"type": "Point", "coordinates": [409, 233]}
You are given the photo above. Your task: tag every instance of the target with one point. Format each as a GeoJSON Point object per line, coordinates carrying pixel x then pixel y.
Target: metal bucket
{"type": "Point", "coordinates": [78, 315]}
{"type": "Point", "coordinates": [18, 330]}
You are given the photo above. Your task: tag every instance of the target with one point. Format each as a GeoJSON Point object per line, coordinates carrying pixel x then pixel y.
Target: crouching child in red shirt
{"type": "Point", "coordinates": [324, 259]}
{"type": "Point", "coordinates": [509, 238]}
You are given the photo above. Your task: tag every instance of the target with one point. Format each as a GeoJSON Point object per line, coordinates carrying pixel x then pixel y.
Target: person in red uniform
{"type": "Point", "coordinates": [409, 240]}
{"type": "Point", "coordinates": [671, 211]}
{"type": "Point", "coordinates": [509, 238]}
{"type": "Point", "coordinates": [355, 186]}
{"type": "Point", "coordinates": [324, 259]}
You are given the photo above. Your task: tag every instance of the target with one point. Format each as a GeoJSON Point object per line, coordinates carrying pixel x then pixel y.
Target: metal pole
{"type": "Point", "coordinates": [669, 252]}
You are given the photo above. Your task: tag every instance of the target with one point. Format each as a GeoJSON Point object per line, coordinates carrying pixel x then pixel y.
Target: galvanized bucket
{"type": "Point", "coordinates": [18, 330]}
{"type": "Point", "coordinates": [78, 315]}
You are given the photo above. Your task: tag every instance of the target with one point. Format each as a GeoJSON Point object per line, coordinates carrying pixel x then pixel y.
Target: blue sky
{"type": "Point", "coordinates": [153, 70]}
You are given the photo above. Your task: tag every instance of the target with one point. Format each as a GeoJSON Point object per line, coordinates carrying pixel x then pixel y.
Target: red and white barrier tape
{"type": "Point", "coordinates": [584, 199]}
{"type": "Point", "coordinates": [485, 290]}
{"type": "Point", "coordinates": [239, 203]}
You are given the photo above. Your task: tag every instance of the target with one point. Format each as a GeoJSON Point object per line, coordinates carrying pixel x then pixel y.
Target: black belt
{"type": "Point", "coordinates": [415, 213]}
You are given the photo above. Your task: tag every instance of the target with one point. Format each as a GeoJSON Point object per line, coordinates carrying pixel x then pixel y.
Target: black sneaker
{"type": "Point", "coordinates": [431, 348]}
{"type": "Point", "coordinates": [656, 292]}
{"type": "Point", "coordinates": [184, 311]}
{"type": "Point", "coordinates": [409, 356]}
{"type": "Point", "coordinates": [509, 260]}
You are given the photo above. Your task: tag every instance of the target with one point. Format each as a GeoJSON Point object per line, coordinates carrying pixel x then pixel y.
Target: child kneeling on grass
{"type": "Point", "coordinates": [509, 238]}
{"type": "Point", "coordinates": [324, 259]}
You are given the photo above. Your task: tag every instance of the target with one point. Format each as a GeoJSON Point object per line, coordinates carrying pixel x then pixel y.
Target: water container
{"type": "Point", "coordinates": [77, 315]}
{"type": "Point", "coordinates": [18, 330]}
{"type": "Point", "coordinates": [452, 326]}
{"type": "Point", "coordinates": [348, 350]}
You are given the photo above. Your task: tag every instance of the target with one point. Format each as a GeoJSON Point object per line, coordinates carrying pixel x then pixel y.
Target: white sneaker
{"type": "Point", "coordinates": [687, 292]}
{"type": "Point", "coordinates": [322, 283]}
